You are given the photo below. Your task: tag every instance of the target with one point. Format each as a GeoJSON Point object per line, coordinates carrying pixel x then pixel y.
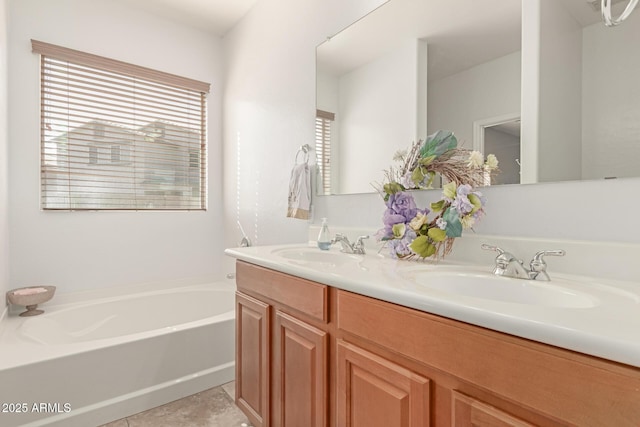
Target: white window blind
{"type": "Point", "coordinates": [323, 148]}
{"type": "Point", "coordinates": [115, 136]}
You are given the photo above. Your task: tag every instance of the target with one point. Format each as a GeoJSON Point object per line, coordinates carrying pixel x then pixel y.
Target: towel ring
{"type": "Point", "coordinates": [305, 153]}
{"type": "Point", "coordinates": [609, 20]}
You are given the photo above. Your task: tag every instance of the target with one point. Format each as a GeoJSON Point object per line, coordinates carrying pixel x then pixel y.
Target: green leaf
{"type": "Point", "coordinates": [476, 202]}
{"type": "Point", "coordinates": [421, 177]}
{"type": "Point", "coordinates": [417, 176]}
{"type": "Point", "coordinates": [449, 190]}
{"type": "Point", "coordinates": [436, 234]}
{"type": "Point", "coordinates": [425, 161]}
{"type": "Point", "coordinates": [454, 226]}
{"type": "Point", "coordinates": [438, 143]}
{"type": "Point", "coordinates": [422, 247]}
{"type": "Point", "coordinates": [398, 230]}
{"type": "Point", "coordinates": [393, 188]}
{"type": "Point", "coordinates": [438, 206]}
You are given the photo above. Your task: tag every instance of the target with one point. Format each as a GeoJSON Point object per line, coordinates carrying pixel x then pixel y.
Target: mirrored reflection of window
{"type": "Point", "coordinates": [324, 119]}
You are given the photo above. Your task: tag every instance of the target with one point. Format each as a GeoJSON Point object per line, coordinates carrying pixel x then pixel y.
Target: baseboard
{"type": "Point", "coordinates": [141, 400]}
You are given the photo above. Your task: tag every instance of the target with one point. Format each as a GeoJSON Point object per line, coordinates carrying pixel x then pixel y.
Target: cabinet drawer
{"type": "Point", "coordinates": [301, 295]}
{"type": "Point", "coordinates": [468, 412]}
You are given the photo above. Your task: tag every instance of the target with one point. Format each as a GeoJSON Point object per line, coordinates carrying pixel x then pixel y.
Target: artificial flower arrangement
{"type": "Point", "coordinates": [409, 231]}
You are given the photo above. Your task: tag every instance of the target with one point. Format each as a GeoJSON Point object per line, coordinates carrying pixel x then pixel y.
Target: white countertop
{"type": "Point", "coordinates": [609, 328]}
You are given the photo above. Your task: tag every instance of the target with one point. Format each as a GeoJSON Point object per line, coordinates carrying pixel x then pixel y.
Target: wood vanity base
{"type": "Point", "coordinates": [309, 355]}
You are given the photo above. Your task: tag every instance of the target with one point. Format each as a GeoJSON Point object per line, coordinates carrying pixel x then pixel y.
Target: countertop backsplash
{"type": "Point", "coordinates": [612, 260]}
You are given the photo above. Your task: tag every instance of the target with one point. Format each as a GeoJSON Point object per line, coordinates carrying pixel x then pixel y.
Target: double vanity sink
{"type": "Point", "coordinates": [593, 316]}
{"type": "Point", "coordinates": [456, 280]}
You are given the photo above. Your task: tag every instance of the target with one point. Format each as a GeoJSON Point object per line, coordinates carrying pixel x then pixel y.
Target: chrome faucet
{"type": "Point", "coordinates": [347, 247]}
{"type": "Point", "coordinates": [508, 265]}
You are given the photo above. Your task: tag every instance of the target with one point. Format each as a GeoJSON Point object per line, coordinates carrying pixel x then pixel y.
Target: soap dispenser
{"type": "Point", "coordinates": [324, 237]}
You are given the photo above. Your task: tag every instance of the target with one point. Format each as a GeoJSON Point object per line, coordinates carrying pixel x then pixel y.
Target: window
{"type": "Point", "coordinates": [115, 136]}
{"type": "Point", "coordinates": [98, 131]}
{"type": "Point", "coordinates": [115, 154]}
{"type": "Point", "coordinates": [323, 148]}
{"type": "Point", "coordinates": [93, 155]}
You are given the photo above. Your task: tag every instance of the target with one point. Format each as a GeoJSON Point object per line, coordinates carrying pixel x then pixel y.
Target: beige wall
{"type": "Point", "coordinates": [4, 153]}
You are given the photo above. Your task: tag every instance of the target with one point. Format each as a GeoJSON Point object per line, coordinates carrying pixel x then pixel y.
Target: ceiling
{"type": "Point", "coordinates": [460, 33]}
{"type": "Point", "coordinates": [457, 31]}
{"type": "Point", "coordinates": [213, 16]}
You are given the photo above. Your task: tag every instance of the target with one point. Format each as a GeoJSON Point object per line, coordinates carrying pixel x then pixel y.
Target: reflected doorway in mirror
{"type": "Point", "coordinates": [500, 135]}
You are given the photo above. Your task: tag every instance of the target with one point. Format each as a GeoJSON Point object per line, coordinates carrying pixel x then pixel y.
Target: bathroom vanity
{"type": "Point", "coordinates": [320, 354]}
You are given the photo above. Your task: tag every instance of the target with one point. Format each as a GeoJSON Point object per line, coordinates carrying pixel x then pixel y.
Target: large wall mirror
{"type": "Point", "coordinates": [543, 84]}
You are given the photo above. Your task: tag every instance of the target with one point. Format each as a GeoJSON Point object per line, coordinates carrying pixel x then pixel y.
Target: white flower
{"type": "Point", "coordinates": [418, 221]}
{"type": "Point", "coordinates": [441, 223]}
{"type": "Point", "coordinates": [399, 155]}
{"type": "Point", "coordinates": [475, 159]}
{"type": "Point", "coordinates": [467, 221]}
{"type": "Point", "coordinates": [492, 162]}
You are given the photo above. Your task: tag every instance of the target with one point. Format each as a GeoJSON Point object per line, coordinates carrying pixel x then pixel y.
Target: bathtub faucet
{"type": "Point", "coordinates": [245, 242]}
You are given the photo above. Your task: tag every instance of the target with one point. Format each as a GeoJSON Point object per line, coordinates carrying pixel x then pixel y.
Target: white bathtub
{"type": "Point", "coordinates": [88, 361]}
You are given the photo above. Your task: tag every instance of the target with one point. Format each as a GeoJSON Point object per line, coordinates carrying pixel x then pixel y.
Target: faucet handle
{"type": "Point", "coordinates": [492, 248]}
{"type": "Point", "coordinates": [339, 237]}
{"type": "Point", "coordinates": [503, 260]}
{"type": "Point", "coordinates": [359, 240]}
{"type": "Point", "coordinates": [539, 268]}
{"type": "Point", "coordinates": [538, 264]}
{"type": "Point", "coordinates": [358, 246]}
{"type": "Point", "coordinates": [556, 252]}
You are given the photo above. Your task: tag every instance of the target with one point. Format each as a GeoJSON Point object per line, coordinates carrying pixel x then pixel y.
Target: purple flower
{"type": "Point", "coordinates": [477, 215]}
{"type": "Point", "coordinates": [462, 204]}
{"type": "Point", "coordinates": [399, 248]}
{"type": "Point", "coordinates": [464, 190]}
{"type": "Point", "coordinates": [401, 209]}
{"type": "Point", "coordinates": [389, 218]}
{"type": "Point", "coordinates": [402, 203]}
{"type": "Point", "coordinates": [406, 180]}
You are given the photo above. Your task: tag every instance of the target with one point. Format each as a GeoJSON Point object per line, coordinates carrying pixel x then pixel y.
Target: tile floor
{"type": "Point", "coordinates": [210, 408]}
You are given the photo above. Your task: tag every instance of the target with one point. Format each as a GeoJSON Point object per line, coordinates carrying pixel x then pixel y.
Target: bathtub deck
{"type": "Point", "coordinates": [211, 408]}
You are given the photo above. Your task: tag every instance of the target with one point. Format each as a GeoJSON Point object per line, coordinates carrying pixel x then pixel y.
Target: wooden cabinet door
{"type": "Point", "coordinates": [468, 412]}
{"type": "Point", "coordinates": [300, 378]}
{"type": "Point", "coordinates": [376, 392]}
{"type": "Point", "coordinates": [252, 358]}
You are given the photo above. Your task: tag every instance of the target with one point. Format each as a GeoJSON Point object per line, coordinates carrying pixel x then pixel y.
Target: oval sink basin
{"type": "Point", "coordinates": [316, 256]}
{"type": "Point", "coordinates": [502, 289]}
